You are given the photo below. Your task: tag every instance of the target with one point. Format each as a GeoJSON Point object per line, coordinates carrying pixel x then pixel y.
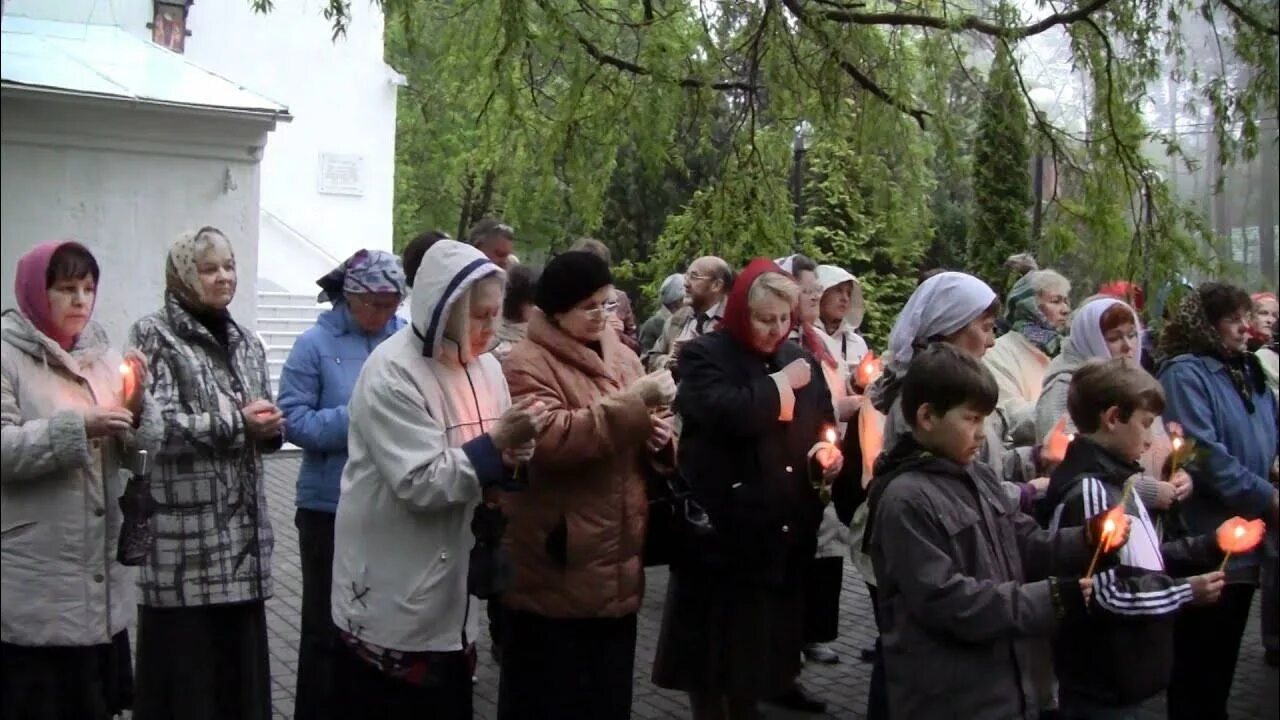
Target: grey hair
{"type": "Point", "coordinates": [1043, 281]}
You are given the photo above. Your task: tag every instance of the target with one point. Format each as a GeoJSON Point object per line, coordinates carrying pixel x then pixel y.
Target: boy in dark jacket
{"type": "Point", "coordinates": [1121, 653]}
{"type": "Point", "coordinates": [965, 579]}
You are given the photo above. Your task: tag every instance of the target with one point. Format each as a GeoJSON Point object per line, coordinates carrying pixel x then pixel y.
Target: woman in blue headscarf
{"type": "Point", "coordinates": [315, 387]}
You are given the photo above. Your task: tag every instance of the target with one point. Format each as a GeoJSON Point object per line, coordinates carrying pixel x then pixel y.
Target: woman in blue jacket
{"type": "Point", "coordinates": [1215, 388]}
{"type": "Point", "coordinates": [315, 387]}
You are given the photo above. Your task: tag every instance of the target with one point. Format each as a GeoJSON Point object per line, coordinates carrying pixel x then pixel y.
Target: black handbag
{"type": "Point", "coordinates": [677, 520]}
{"type": "Point", "coordinates": [137, 507]}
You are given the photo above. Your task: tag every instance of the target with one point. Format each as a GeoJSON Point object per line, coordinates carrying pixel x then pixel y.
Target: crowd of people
{"type": "Point", "coordinates": [1041, 499]}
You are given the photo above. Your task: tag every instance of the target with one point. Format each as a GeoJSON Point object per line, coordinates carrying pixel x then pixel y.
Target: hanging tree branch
{"type": "Point", "coordinates": [968, 22]}
{"type": "Point", "coordinates": [1243, 16]}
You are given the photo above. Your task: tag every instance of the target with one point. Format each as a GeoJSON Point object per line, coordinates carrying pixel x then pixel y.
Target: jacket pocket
{"type": "Point", "coordinates": [17, 530]}
{"type": "Point", "coordinates": [557, 543]}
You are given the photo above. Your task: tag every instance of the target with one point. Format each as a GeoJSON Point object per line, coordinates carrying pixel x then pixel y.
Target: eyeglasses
{"type": "Point", "coordinates": [386, 306]}
{"type": "Point", "coordinates": [600, 311]}
{"type": "Point", "coordinates": [697, 276]}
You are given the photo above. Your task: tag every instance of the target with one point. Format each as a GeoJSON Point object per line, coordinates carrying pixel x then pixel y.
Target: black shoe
{"type": "Point", "coordinates": [799, 699]}
{"type": "Point", "coordinates": [1272, 657]}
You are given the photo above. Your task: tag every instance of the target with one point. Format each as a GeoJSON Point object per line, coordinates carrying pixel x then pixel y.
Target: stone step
{"type": "Point", "coordinates": [281, 298]}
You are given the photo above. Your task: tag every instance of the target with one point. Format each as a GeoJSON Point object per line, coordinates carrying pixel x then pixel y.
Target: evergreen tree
{"type": "Point", "coordinates": [1001, 173]}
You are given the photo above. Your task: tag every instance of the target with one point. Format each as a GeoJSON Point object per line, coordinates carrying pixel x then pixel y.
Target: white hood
{"type": "Point", "coordinates": [442, 286]}
{"type": "Point", "coordinates": [830, 276]}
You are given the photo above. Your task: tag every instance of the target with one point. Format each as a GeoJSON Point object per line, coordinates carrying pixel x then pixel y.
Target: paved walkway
{"type": "Point", "coordinates": [843, 686]}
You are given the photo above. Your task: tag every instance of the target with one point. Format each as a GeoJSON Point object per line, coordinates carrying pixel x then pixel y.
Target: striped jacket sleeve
{"type": "Point", "coordinates": [1120, 589]}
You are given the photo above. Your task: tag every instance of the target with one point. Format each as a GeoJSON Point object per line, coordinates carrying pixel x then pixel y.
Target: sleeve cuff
{"type": "Point", "coordinates": [1147, 490]}
{"type": "Point", "coordinates": [786, 397]}
{"type": "Point", "coordinates": [68, 438]}
{"type": "Point", "coordinates": [486, 459]}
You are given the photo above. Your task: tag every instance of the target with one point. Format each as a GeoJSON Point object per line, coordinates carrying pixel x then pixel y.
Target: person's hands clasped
{"type": "Point", "coordinates": [1182, 485]}
{"type": "Point", "coordinates": [656, 389]}
{"type": "Point", "coordinates": [661, 434]}
{"type": "Point", "coordinates": [104, 422]}
{"type": "Point", "coordinates": [519, 425]}
{"type": "Point", "coordinates": [262, 419]}
{"type": "Point", "coordinates": [1166, 495]}
{"type": "Point", "coordinates": [521, 454]}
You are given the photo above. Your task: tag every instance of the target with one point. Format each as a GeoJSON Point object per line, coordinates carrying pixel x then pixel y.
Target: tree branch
{"type": "Point", "coordinates": [627, 66]}
{"type": "Point", "coordinates": [968, 22]}
{"type": "Point", "coordinates": [1243, 16]}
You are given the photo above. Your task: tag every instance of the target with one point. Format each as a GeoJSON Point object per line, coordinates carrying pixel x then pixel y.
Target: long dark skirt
{"type": "Point", "coordinates": [319, 636]}
{"type": "Point", "coordinates": [363, 692]}
{"type": "Point", "coordinates": [566, 669]}
{"type": "Point", "coordinates": [94, 682]}
{"type": "Point", "coordinates": [823, 580]}
{"type": "Point", "coordinates": [724, 638]}
{"type": "Point", "coordinates": [203, 663]}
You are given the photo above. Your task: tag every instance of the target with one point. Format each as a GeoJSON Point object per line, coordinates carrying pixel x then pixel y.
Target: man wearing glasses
{"type": "Point", "coordinates": [706, 285]}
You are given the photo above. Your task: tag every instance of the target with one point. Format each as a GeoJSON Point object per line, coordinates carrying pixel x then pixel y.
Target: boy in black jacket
{"type": "Point", "coordinates": [965, 578]}
{"type": "Point", "coordinates": [1121, 653]}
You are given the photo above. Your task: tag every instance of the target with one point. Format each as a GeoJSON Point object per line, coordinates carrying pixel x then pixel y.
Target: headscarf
{"type": "Point", "coordinates": [1086, 327]}
{"type": "Point", "coordinates": [940, 306]}
{"type": "Point", "coordinates": [31, 288]}
{"type": "Point", "coordinates": [1189, 332]}
{"type": "Point", "coordinates": [366, 272]}
{"type": "Point", "coordinates": [182, 279]}
{"type": "Point", "coordinates": [1023, 315]}
{"type": "Point", "coordinates": [1126, 291]}
{"type": "Point", "coordinates": [737, 308]}
{"type": "Point", "coordinates": [672, 290]}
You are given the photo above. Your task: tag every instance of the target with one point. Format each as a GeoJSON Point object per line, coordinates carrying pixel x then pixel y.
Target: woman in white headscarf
{"type": "Point", "coordinates": [1103, 328]}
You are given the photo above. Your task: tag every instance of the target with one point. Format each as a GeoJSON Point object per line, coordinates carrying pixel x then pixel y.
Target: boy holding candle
{"type": "Point", "coordinates": [966, 581]}
{"type": "Point", "coordinates": [1121, 653]}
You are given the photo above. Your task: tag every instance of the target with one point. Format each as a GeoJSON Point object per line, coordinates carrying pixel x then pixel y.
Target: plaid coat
{"type": "Point", "coordinates": [212, 533]}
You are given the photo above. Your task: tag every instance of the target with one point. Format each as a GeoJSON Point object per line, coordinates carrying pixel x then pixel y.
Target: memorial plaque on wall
{"type": "Point", "coordinates": [341, 174]}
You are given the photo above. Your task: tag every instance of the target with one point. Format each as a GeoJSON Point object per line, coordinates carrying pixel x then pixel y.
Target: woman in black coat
{"type": "Point", "coordinates": [753, 449]}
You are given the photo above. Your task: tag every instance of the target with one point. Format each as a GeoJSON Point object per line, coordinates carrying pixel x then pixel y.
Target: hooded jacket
{"type": "Point", "coordinates": [576, 534]}
{"type": "Point", "coordinates": [1121, 653]}
{"type": "Point", "coordinates": [419, 456]}
{"type": "Point", "coordinates": [61, 584]}
{"type": "Point", "coordinates": [964, 586]}
{"type": "Point", "coordinates": [315, 387]}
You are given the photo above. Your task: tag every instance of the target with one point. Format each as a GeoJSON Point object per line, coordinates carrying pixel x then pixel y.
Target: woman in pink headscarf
{"type": "Point", "coordinates": [71, 419]}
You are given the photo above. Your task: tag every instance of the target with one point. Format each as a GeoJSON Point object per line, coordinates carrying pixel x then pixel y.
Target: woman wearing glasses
{"type": "Point", "coordinates": [315, 387]}
{"type": "Point", "coordinates": [577, 532]}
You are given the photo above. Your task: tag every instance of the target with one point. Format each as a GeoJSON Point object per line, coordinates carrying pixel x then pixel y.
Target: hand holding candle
{"type": "Point", "coordinates": [1237, 536]}
{"type": "Point", "coordinates": [1109, 532]}
{"type": "Point", "coordinates": [830, 461]}
{"type": "Point", "coordinates": [1184, 449]}
{"type": "Point", "coordinates": [133, 380]}
{"type": "Point", "coordinates": [1055, 445]}
{"type": "Point", "coordinates": [869, 370]}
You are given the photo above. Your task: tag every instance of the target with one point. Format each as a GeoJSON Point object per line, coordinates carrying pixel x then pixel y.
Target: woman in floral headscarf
{"type": "Point", "coordinates": [315, 387]}
{"type": "Point", "coordinates": [1215, 389]}
{"type": "Point", "coordinates": [1037, 311]}
{"type": "Point", "coordinates": [202, 629]}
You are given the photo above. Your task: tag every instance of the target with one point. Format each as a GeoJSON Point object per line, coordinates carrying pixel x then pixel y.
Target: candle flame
{"type": "Point", "coordinates": [1177, 443]}
{"type": "Point", "coordinates": [1109, 526]}
{"type": "Point", "coordinates": [1239, 531]}
{"type": "Point", "coordinates": [831, 435]}
{"type": "Point", "coordinates": [124, 368]}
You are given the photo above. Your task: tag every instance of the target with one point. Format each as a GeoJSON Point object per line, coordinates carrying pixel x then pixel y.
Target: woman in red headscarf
{"type": "Point", "coordinates": [755, 411]}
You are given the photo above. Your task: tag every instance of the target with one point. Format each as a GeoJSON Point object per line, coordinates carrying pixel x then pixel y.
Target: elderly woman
{"type": "Point", "coordinates": [1262, 321]}
{"type": "Point", "coordinates": [754, 409]}
{"type": "Point", "coordinates": [202, 630]}
{"type": "Point", "coordinates": [577, 532]}
{"type": "Point", "coordinates": [315, 387]}
{"type": "Point", "coordinates": [1216, 390]}
{"type": "Point", "coordinates": [1037, 312]}
{"type": "Point", "coordinates": [431, 431]}
{"type": "Point", "coordinates": [70, 424]}
{"type": "Point", "coordinates": [670, 299]}
{"type": "Point", "coordinates": [517, 308]}
{"type": "Point", "coordinates": [1102, 328]}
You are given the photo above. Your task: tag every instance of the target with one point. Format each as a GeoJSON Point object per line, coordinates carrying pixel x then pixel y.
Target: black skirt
{"type": "Point", "coordinates": [728, 638]}
{"type": "Point", "coordinates": [566, 669]}
{"type": "Point", "coordinates": [93, 682]}
{"type": "Point", "coordinates": [203, 663]}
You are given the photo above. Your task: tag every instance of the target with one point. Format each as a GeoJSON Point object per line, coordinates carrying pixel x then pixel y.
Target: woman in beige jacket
{"type": "Point", "coordinates": [576, 534]}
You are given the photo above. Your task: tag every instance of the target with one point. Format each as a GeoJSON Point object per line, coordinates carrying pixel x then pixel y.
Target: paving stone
{"type": "Point", "coordinates": [1255, 694]}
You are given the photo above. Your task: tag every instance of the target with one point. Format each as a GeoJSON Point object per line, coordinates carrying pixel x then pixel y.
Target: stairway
{"type": "Point", "coordinates": [282, 317]}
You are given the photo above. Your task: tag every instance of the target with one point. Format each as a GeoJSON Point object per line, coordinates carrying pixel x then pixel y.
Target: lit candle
{"type": "Point", "coordinates": [869, 370]}
{"type": "Point", "coordinates": [1238, 535]}
{"type": "Point", "coordinates": [126, 377]}
{"type": "Point", "coordinates": [830, 435]}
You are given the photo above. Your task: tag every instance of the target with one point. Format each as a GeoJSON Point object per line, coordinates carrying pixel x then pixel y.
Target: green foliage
{"type": "Point", "coordinates": [1002, 173]}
